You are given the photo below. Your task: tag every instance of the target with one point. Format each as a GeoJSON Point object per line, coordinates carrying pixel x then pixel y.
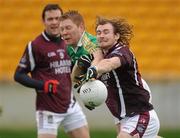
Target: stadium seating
{"type": "Point", "coordinates": [156, 26]}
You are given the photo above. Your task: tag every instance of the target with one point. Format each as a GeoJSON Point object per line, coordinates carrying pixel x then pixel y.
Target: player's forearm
{"type": "Point", "coordinates": [27, 81]}
{"type": "Point", "coordinates": [106, 65]}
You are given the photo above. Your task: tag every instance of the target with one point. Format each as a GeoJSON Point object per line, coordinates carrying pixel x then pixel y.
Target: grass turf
{"type": "Point", "coordinates": [8, 133]}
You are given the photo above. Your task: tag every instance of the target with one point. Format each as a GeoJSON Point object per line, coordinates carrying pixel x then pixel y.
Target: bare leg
{"type": "Point", "coordinates": [82, 132]}
{"type": "Point", "coordinates": [118, 128]}
{"type": "Point", "coordinates": [125, 135]}
{"type": "Point", "coordinates": [46, 136]}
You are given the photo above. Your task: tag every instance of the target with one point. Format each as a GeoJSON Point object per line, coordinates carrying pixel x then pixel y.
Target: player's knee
{"type": "Point", "coordinates": [46, 136]}
{"type": "Point", "coordinates": [82, 132]}
{"type": "Point", "coordinates": [125, 135]}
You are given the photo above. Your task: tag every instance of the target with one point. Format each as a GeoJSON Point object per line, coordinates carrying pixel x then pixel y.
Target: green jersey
{"type": "Point", "coordinates": [86, 45]}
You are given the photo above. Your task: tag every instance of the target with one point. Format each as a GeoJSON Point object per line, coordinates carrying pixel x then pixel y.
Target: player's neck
{"type": "Point", "coordinates": [54, 38]}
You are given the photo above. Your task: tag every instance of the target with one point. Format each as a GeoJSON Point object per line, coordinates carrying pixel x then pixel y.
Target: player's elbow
{"type": "Point", "coordinates": [16, 76]}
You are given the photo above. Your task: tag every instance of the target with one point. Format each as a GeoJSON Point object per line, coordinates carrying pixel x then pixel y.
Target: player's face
{"type": "Point", "coordinates": [70, 32]}
{"type": "Point", "coordinates": [51, 22]}
{"type": "Point", "coordinates": [105, 36]}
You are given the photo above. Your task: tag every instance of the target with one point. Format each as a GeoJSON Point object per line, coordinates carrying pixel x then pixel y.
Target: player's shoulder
{"type": "Point", "coordinates": [118, 50]}
{"type": "Point", "coordinates": [31, 44]}
{"type": "Point", "coordinates": [122, 49]}
{"type": "Point", "coordinates": [38, 40]}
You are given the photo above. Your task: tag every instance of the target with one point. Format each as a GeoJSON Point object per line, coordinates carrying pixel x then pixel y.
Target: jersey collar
{"type": "Point", "coordinates": [114, 47]}
{"type": "Point", "coordinates": [79, 44]}
{"type": "Point", "coordinates": [50, 38]}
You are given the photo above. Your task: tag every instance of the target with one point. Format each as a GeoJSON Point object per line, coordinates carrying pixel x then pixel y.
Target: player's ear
{"type": "Point", "coordinates": [117, 36]}
{"type": "Point", "coordinates": [81, 26]}
{"type": "Point", "coordinates": [43, 21]}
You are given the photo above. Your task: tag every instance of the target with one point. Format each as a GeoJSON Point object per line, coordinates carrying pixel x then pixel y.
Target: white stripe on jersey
{"type": "Point", "coordinates": [22, 65]}
{"type": "Point", "coordinates": [44, 35]}
{"type": "Point", "coordinates": [123, 109]}
{"type": "Point", "coordinates": [146, 87]}
{"type": "Point", "coordinates": [135, 72]}
{"type": "Point", "coordinates": [31, 58]}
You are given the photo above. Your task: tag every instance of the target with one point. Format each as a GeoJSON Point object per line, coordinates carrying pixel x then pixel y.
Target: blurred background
{"type": "Point", "coordinates": [156, 26]}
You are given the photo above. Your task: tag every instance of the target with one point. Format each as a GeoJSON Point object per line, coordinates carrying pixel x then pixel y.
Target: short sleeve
{"type": "Point", "coordinates": [124, 56]}
{"type": "Point", "coordinates": [27, 62]}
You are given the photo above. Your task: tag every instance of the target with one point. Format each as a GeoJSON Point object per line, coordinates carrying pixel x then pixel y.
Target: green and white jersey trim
{"type": "Point", "coordinates": [86, 45]}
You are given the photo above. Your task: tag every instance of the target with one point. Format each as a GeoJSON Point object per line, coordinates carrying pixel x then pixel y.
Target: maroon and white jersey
{"type": "Point", "coordinates": [126, 95]}
{"type": "Point", "coordinates": [46, 60]}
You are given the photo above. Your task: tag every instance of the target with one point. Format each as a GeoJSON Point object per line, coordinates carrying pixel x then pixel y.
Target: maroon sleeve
{"type": "Point", "coordinates": [24, 64]}
{"type": "Point", "coordinates": [124, 55]}
{"type": "Point", "coordinates": [22, 70]}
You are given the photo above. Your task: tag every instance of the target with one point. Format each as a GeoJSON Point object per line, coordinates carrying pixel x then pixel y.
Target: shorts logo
{"type": "Point", "coordinates": [142, 123]}
{"type": "Point", "coordinates": [50, 119]}
{"type": "Point", "coordinates": [141, 128]}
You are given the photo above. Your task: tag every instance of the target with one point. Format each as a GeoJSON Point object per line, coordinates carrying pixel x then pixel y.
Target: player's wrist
{"type": "Point", "coordinates": [40, 85]}
{"type": "Point", "coordinates": [91, 73]}
{"type": "Point", "coordinates": [94, 68]}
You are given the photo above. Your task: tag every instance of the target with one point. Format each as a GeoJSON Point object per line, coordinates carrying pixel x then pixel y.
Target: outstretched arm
{"type": "Point", "coordinates": [107, 65]}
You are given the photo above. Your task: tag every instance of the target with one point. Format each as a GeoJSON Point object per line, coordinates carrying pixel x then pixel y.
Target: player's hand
{"type": "Point", "coordinates": [85, 61]}
{"type": "Point", "coordinates": [81, 79]}
{"type": "Point", "coordinates": [91, 73]}
{"type": "Point", "coordinates": [89, 107]}
{"type": "Point", "coordinates": [50, 86]}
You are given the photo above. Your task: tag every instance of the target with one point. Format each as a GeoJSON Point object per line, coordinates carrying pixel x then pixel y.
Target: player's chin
{"type": "Point", "coordinates": [102, 44]}
{"type": "Point", "coordinates": [55, 32]}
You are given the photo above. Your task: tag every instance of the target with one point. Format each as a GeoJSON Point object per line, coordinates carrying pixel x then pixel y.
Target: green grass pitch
{"type": "Point", "coordinates": [8, 133]}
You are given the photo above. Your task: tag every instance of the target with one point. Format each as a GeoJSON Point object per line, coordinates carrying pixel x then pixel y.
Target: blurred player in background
{"type": "Point", "coordinates": [46, 59]}
{"type": "Point", "coordinates": [81, 46]}
{"type": "Point", "coordinates": [128, 99]}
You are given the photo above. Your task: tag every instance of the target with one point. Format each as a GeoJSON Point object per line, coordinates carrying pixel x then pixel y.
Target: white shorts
{"type": "Point", "coordinates": [48, 122]}
{"type": "Point", "coordinates": [146, 125]}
